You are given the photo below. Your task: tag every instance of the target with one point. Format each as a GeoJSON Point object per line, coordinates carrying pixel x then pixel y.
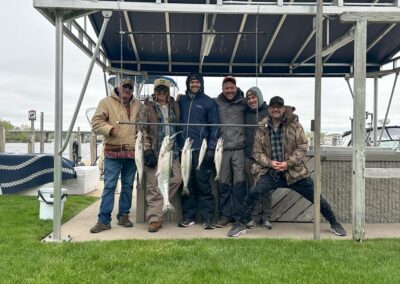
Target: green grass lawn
{"type": "Point", "coordinates": [23, 258]}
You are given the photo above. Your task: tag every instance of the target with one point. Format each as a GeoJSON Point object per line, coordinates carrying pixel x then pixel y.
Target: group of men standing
{"type": "Point", "coordinates": [256, 160]}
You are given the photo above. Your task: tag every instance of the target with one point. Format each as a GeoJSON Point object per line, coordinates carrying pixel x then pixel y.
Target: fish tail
{"type": "Point", "coordinates": [185, 190]}
{"type": "Point", "coordinates": [168, 207]}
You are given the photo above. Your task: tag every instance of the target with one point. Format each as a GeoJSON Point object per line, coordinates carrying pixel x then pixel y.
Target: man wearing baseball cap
{"type": "Point", "coordinates": [278, 151]}
{"type": "Point", "coordinates": [119, 145]}
{"type": "Point", "coordinates": [231, 184]}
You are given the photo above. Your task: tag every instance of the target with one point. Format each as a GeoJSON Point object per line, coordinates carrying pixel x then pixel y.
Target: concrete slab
{"type": "Point", "coordinates": [78, 228]}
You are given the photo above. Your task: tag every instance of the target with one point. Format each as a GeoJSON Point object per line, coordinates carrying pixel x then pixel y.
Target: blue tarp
{"type": "Point", "coordinates": [19, 172]}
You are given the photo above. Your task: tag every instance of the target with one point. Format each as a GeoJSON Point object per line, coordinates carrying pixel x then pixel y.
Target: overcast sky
{"type": "Point", "coordinates": [27, 65]}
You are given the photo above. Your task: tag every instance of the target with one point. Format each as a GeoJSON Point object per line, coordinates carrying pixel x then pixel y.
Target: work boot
{"type": "Point", "coordinates": [99, 227]}
{"type": "Point", "coordinates": [223, 222]}
{"type": "Point", "coordinates": [124, 221]}
{"type": "Point", "coordinates": [154, 227]}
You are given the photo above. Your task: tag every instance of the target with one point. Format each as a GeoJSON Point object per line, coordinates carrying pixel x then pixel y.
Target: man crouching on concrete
{"type": "Point", "coordinates": [278, 151]}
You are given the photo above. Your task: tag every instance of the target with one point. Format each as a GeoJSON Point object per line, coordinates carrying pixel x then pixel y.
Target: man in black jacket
{"type": "Point", "coordinates": [197, 107]}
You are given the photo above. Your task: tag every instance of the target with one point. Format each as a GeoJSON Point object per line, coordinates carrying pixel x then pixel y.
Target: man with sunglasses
{"type": "Point", "coordinates": [162, 109]}
{"type": "Point", "coordinates": [278, 151]}
{"type": "Point", "coordinates": [118, 151]}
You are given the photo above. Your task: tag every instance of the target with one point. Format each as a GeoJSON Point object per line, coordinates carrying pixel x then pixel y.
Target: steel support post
{"type": "Point", "coordinates": [388, 107]}
{"type": "Point", "coordinates": [375, 118]}
{"type": "Point", "coordinates": [58, 129]}
{"type": "Point", "coordinates": [317, 119]}
{"type": "Point", "coordinates": [358, 180]}
{"type": "Point", "coordinates": [41, 133]}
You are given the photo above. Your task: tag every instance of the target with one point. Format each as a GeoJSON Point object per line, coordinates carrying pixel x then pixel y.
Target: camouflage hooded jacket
{"type": "Point", "coordinates": [295, 147]}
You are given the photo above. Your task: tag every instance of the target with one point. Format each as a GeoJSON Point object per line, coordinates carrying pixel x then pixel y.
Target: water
{"type": "Point", "coordinates": [22, 148]}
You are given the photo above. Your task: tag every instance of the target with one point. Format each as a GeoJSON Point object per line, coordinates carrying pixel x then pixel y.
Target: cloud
{"type": "Point", "coordinates": [27, 79]}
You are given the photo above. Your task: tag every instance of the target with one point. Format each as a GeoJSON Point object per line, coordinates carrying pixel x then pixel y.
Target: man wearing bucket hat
{"type": "Point", "coordinates": [278, 151]}
{"type": "Point", "coordinates": [162, 109]}
{"type": "Point", "coordinates": [118, 151]}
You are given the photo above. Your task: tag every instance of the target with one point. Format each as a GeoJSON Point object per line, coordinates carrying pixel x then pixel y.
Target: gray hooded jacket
{"type": "Point", "coordinates": [232, 112]}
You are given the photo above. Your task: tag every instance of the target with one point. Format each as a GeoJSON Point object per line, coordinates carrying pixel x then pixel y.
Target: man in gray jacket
{"type": "Point", "coordinates": [256, 110]}
{"type": "Point", "coordinates": [231, 185]}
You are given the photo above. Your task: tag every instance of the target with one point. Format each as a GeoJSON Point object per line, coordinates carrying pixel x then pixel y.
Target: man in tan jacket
{"type": "Point", "coordinates": [119, 145]}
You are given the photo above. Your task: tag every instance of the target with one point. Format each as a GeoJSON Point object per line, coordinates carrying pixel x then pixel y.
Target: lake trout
{"type": "Point", "coordinates": [139, 159]}
{"type": "Point", "coordinates": [164, 170]}
{"type": "Point", "coordinates": [218, 157]}
{"type": "Point", "coordinates": [186, 165]}
{"type": "Point", "coordinates": [203, 151]}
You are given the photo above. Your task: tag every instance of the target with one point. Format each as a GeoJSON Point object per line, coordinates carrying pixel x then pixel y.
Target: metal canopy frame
{"type": "Point", "coordinates": [62, 14]}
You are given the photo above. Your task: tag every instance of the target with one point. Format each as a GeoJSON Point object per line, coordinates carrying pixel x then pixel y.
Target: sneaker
{"type": "Point", "coordinates": [223, 222]}
{"type": "Point", "coordinates": [99, 227]}
{"type": "Point", "coordinates": [338, 229]}
{"type": "Point", "coordinates": [124, 221]}
{"type": "Point", "coordinates": [237, 230]}
{"type": "Point", "coordinates": [267, 224]}
{"type": "Point", "coordinates": [251, 224]}
{"type": "Point", "coordinates": [154, 227]}
{"type": "Point", "coordinates": [209, 225]}
{"type": "Point", "coordinates": [186, 223]}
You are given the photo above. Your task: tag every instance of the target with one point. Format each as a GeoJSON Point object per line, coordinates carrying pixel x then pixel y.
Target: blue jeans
{"type": "Point", "coordinates": [112, 169]}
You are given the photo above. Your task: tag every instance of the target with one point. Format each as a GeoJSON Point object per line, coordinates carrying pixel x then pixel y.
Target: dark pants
{"type": "Point", "coordinates": [231, 185]}
{"type": "Point", "coordinates": [266, 183]}
{"type": "Point", "coordinates": [263, 209]}
{"type": "Point", "coordinates": [201, 199]}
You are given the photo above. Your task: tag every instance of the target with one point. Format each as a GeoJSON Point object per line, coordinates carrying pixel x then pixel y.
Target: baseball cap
{"type": "Point", "coordinates": [127, 81]}
{"type": "Point", "coordinates": [229, 79]}
{"type": "Point", "coordinates": [276, 101]}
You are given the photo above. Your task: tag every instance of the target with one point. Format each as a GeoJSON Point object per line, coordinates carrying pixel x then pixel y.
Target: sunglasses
{"type": "Point", "coordinates": [162, 90]}
{"type": "Point", "coordinates": [127, 87]}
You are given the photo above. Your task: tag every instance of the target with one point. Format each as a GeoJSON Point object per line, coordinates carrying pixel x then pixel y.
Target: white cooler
{"type": "Point", "coordinates": [86, 181]}
{"type": "Point", "coordinates": [45, 197]}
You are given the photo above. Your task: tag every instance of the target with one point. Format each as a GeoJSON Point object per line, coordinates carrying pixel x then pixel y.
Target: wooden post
{"type": "Point", "coordinates": [93, 147]}
{"type": "Point", "coordinates": [2, 139]}
{"type": "Point", "coordinates": [358, 180]}
{"type": "Point", "coordinates": [41, 133]}
{"type": "Point", "coordinates": [317, 119]}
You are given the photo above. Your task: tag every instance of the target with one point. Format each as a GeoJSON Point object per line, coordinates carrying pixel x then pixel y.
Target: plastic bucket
{"type": "Point", "coordinates": [45, 197]}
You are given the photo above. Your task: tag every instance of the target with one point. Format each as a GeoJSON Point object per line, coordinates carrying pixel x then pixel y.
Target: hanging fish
{"type": "Point", "coordinates": [139, 158]}
{"type": "Point", "coordinates": [164, 169]}
{"type": "Point", "coordinates": [218, 157]}
{"type": "Point", "coordinates": [203, 151]}
{"type": "Point", "coordinates": [186, 164]}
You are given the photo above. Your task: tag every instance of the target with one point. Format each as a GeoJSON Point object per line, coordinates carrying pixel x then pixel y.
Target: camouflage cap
{"type": "Point", "coordinates": [127, 81]}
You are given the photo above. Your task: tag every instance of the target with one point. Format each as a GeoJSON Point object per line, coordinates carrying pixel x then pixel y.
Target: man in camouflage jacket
{"type": "Point", "coordinates": [278, 151]}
